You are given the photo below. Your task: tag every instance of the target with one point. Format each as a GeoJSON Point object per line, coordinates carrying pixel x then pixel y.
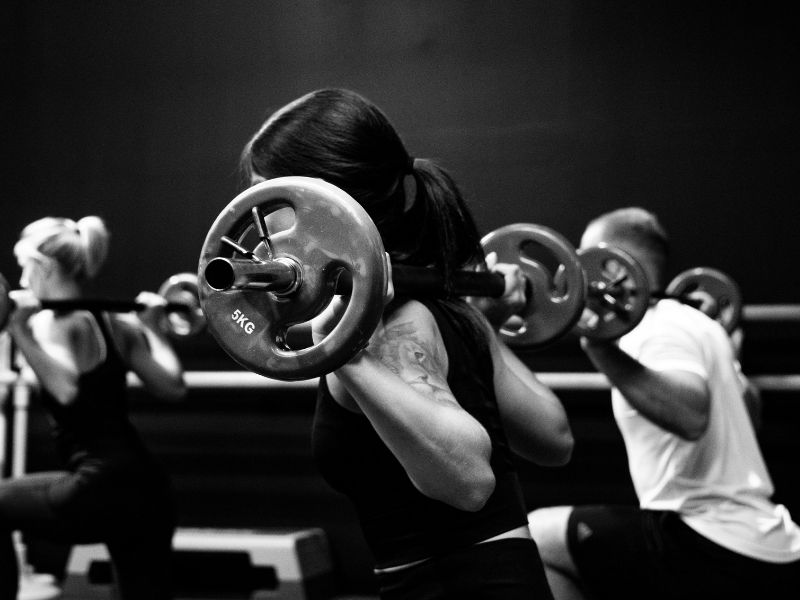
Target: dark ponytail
{"type": "Point", "coordinates": [341, 137]}
{"type": "Point", "coordinates": [438, 229]}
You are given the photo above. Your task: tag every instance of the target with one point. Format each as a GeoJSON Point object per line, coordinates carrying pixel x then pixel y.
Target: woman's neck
{"type": "Point", "coordinates": [63, 290]}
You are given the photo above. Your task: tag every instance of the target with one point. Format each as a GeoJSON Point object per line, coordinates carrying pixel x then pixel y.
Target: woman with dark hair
{"type": "Point", "coordinates": [419, 428]}
{"type": "Point", "coordinates": [112, 490]}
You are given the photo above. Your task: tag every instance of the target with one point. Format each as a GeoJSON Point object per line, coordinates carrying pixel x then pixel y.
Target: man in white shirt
{"type": "Point", "coordinates": [705, 526]}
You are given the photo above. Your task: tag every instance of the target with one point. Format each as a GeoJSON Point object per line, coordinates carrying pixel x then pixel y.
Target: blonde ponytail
{"type": "Point", "coordinates": [94, 238]}
{"type": "Point", "coordinates": [80, 247]}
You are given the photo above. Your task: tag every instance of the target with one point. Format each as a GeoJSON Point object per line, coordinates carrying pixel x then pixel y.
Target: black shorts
{"type": "Point", "coordinates": [626, 552]}
{"type": "Point", "coordinates": [508, 569]}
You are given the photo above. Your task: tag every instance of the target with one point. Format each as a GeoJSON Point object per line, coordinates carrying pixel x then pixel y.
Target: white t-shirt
{"type": "Point", "coordinates": [719, 483]}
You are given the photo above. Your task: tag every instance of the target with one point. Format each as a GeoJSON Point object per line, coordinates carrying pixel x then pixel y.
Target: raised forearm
{"type": "Point", "coordinates": [157, 365]}
{"type": "Point", "coordinates": [444, 450]}
{"type": "Point", "coordinates": [675, 400]}
{"type": "Point", "coordinates": [533, 416]}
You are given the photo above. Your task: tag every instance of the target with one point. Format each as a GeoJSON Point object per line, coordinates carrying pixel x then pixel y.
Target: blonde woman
{"type": "Point", "coordinates": [111, 489]}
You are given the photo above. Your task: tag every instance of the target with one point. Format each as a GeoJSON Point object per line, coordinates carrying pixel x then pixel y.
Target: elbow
{"type": "Point", "coordinates": [475, 494]}
{"type": "Point", "coordinates": [172, 391]}
{"type": "Point", "coordinates": [475, 481]}
{"type": "Point", "coordinates": [470, 494]}
{"type": "Point", "coordinates": [176, 392]}
{"type": "Point", "coordinates": [694, 428]}
{"type": "Point", "coordinates": [691, 434]}
{"type": "Point", "coordinates": [180, 389]}
{"type": "Point", "coordinates": [64, 389]}
{"type": "Point", "coordinates": [65, 394]}
{"type": "Point", "coordinates": [562, 449]}
{"type": "Point", "coordinates": [556, 450]}
{"type": "Point", "coordinates": [694, 421]}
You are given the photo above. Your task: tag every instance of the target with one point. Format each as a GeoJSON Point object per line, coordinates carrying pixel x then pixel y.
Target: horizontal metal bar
{"type": "Point", "coordinates": [555, 380]}
{"type": "Point", "coordinates": [757, 313]}
{"type": "Point", "coordinates": [776, 383]}
{"type": "Point", "coordinates": [244, 380]}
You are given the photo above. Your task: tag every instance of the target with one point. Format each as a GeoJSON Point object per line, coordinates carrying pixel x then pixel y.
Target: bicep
{"type": "Point", "coordinates": [413, 349]}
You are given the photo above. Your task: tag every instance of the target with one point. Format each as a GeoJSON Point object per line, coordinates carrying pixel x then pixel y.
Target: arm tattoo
{"type": "Point", "coordinates": [416, 360]}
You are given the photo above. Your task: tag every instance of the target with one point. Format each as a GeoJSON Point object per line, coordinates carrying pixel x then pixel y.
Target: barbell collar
{"type": "Point", "coordinates": [281, 276]}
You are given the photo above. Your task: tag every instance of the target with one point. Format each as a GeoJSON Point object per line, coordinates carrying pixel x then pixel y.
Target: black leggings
{"type": "Point", "coordinates": [134, 517]}
{"type": "Point", "coordinates": [509, 569]}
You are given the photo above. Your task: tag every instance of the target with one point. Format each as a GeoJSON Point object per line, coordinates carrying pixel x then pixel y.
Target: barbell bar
{"type": "Point", "coordinates": [550, 309]}
{"type": "Point", "coordinates": [553, 304]}
{"type": "Point", "coordinates": [184, 316]}
{"type": "Point", "coordinates": [281, 276]}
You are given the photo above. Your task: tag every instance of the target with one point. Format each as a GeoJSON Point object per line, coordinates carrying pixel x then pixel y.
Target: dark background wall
{"type": "Point", "coordinates": [545, 111]}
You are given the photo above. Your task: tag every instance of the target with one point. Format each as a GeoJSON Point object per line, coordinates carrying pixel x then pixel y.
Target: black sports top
{"type": "Point", "coordinates": [94, 430]}
{"type": "Point", "coordinates": [399, 523]}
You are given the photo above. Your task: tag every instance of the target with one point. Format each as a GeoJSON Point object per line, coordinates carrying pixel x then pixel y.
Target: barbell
{"type": "Point", "coordinates": [617, 296]}
{"type": "Point", "coordinates": [619, 292]}
{"type": "Point", "coordinates": [548, 312]}
{"type": "Point", "coordinates": [183, 317]}
{"type": "Point", "coordinates": [255, 286]}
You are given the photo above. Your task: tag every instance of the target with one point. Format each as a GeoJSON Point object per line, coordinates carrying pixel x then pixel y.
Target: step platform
{"type": "Point", "coordinates": [258, 564]}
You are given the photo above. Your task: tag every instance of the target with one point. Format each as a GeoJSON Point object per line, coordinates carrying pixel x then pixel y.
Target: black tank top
{"type": "Point", "coordinates": [399, 523]}
{"type": "Point", "coordinates": [94, 430]}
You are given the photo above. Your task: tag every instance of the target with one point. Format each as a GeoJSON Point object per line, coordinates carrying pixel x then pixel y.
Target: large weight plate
{"type": "Point", "coordinates": [617, 295]}
{"type": "Point", "coordinates": [555, 280]}
{"type": "Point", "coordinates": [710, 291]}
{"type": "Point", "coordinates": [331, 233]}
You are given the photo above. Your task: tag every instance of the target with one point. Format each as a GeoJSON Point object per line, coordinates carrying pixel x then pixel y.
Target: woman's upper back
{"type": "Point", "coordinates": [96, 420]}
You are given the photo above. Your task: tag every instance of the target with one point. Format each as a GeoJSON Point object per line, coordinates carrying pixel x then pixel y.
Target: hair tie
{"type": "Point", "coordinates": [81, 231]}
{"type": "Point", "coordinates": [410, 164]}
